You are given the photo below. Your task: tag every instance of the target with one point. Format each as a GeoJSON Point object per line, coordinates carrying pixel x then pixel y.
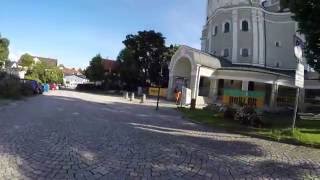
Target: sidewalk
{"type": "Point", "coordinates": [151, 102]}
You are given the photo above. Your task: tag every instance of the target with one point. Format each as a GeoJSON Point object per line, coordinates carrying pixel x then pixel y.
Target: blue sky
{"type": "Point", "coordinates": [73, 31]}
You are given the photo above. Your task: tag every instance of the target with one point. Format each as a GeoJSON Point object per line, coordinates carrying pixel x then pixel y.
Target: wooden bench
{"type": "Point", "coordinates": [309, 116]}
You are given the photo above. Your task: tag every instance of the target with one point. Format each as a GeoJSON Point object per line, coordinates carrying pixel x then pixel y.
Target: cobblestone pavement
{"type": "Point", "coordinates": [69, 135]}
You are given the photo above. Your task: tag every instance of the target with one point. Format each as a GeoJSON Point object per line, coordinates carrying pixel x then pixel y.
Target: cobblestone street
{"type": "Point", "coordinates": [70, 135]}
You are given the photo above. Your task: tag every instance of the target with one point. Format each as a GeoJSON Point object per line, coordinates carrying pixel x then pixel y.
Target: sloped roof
{"type": "Point", "coordinates": [69, 71]}
{"type": "Point", "coordinates": [48, 61]}
{"type": "Point", "coordinates": [110, 65]}
{"type": "Point", "coordinates": [220, 63]}
{"type": "Point", "coordinates": [197, 56]}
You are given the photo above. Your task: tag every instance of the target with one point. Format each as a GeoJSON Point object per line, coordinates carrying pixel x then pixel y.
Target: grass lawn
{"type": "Point", "coordinates": [306, 133]}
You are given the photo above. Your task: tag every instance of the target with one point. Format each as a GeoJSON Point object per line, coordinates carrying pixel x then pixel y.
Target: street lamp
{"type": "Point", "coordinates": [159, 87]}
{"type": "Point", "coordinates": [154, 49]}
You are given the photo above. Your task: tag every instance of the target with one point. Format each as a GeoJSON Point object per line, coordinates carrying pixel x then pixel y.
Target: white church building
{"type": "Point", "coordinates": [247, 56]}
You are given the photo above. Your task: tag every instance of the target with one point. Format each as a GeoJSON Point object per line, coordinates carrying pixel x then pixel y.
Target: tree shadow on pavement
{"type": "Point", "coordinates": [59, 137]}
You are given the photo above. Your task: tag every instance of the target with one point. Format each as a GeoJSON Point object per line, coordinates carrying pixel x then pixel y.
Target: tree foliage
{"type": "Point", "coordinates": [307, 14]}
{"type": "Point", "coordinates": [144, 56]}
{"type": "Point", "coordinates": [129, 70]}
{"type": "Point", "coordinates": [26, 60]}
{"type": "Point", "coordinates": [95, 71]}
{"type": "Point", "coordinates": [44, 73]}
{"type": "Point", "coordinates": [4, 50]}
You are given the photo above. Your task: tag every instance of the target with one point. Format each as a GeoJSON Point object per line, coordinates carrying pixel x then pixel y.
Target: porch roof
{"type": "Point", "coordinates": [216, 62]}
{"type": "Point", "coordinates": [196, 57]}
{"type": "Point", "coordinates": [288, 74]}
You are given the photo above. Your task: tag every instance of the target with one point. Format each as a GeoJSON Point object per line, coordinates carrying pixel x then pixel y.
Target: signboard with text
{"type": "Point", "coordinates": [186, 96]}
{"type": "Point", "coordinates": [300, 76]}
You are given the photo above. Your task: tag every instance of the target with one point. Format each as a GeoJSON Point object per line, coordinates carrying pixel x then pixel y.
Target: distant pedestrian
{"type": "Point", "coordinates": [177, 95]}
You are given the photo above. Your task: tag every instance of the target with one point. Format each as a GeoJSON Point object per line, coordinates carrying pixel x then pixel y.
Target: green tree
{"type": "Point", "coordinates": [4, 50]}
{"type": "Point", "coordinates": [170, 51]}
{"type": "Point", "coordinates": [95, 71]}
{"type": "Point", "coordinates": [147, 49]}
{"type": "Point", "coordinates": [129, 70]}
{"type": "Point", "coordinates": [54, 75]}
{"type": "Point", "coordinates": [143, 58]}
{"type": "Point", "coordinates": [307, 14]}
{"type": "Point", "coordinates": [44, 73]}
{"type": "Point", "coordinates": [26, 60]}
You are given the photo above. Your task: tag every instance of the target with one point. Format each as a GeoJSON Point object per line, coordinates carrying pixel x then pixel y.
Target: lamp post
{"type": "Point", "coordinates": [299, 80]}
{"type": "Point", "coordinates": [159, 87]}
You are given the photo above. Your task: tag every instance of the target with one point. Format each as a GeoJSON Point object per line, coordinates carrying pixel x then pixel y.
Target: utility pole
{"type": "Point", "coordinates": [299, 81]}
{"type": "Point", "coordinates": [159, 88]}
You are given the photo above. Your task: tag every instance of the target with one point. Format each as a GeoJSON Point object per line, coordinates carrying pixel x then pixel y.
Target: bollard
{"type": "Point", "coordinates": [126, 95]}
{"type": "Point", "coordinates": [143, 98]}
{"type": "Point", "coordinates": [132, 97]}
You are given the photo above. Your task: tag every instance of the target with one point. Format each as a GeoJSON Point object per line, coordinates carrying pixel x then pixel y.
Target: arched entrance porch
{"type": "Point", "coordinates": [180, 75]}
{"type": "Point", "coordinates": [193, 69]}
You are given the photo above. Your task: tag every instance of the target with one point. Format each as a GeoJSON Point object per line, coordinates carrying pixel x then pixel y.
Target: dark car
{"type": "Point", "coordinates": [40, 88]}
{"type": "Point", "coordinates": [36, 87]}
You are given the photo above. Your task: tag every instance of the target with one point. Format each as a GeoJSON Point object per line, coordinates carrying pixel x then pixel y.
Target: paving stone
{"type": "Point", "coordinates": [115, 139]}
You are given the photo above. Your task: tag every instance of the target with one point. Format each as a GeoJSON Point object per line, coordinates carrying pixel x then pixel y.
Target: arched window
{"type": "Point", "coordinates": [225, 53]}
{"type": "Point", "coordinates": [244, 52]}
{"type": "Point", "coordinates": [215, 30]}
{"type": "Point", "coordinates": [226, 28]}
{"type": "Point", "coordinates": [245, 26]}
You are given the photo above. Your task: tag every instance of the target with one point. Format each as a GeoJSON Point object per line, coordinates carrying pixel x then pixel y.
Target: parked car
{"type": "Point", "coordinates": [40, 88]}
{"type": "Point", "coordinates": [34, 86]}
{"type": "Point", "coordinates": [53, 86]}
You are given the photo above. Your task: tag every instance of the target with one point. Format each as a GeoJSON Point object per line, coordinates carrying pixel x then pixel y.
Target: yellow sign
{"type": "Point", "coordinates": [154, 92]}
{"type": "Point", "coordinates": [254, 102]}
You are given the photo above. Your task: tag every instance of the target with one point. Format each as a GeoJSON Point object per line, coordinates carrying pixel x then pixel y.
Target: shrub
{"type": "Point", "coordinates": [214, 108]}
{"type": "Point", "coordinates": [88, 87]}
{"type": "Point", "coordinates": [248, 116]}
{"type": "Point", "coordinates": [27, 89]}
{"type": "Point", "coordinates": [10, 88]}
{"type": "Point", "coordinates": [229, 112]}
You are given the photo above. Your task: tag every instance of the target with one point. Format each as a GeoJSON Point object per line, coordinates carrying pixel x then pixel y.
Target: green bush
{"type": "Point", "coordinates": [10, 88]}
{"type": "Point", "coordinates": [229, 112]}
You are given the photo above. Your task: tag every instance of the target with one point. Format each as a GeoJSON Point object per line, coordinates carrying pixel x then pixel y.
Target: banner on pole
{"type": "Point", "coordinates": [300, 76]}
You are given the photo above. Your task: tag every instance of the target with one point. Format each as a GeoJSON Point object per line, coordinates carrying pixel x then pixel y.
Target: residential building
{"type": "Point", "coordinates": [13, 68]}
{"type": "Point", "coordinates": [246, 57]}
{"type": "Point", "coordinates": [110, 66]}
{"type": "Point", "coordinates": [70, 71]}
{"type": "Point", "coordinates": [72, 81]}
{"type": "Point", "coordinates": [49, 61]}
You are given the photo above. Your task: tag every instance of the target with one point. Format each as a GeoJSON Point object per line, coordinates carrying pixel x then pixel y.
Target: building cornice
{"type": "Point", "coordinates": [221, 9]}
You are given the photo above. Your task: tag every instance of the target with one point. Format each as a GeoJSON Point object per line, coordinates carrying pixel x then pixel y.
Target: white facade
{"type": "Point", "coordinates": [266, 34]}
{"type": "Point", "coordinates": [14, 69]}
{"type": "Point", "coordinates": [246, 48]}
{"type": "Point", "coordinates": [73, 81]}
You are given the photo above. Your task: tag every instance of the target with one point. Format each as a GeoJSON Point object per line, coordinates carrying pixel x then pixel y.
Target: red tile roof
{"type": "Point", "coordinates": [110, 65]}
{"type": "Point", "coordinates": [68, 71]}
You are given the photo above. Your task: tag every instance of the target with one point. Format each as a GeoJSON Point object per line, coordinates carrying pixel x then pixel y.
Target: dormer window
{"type": "Point", "coordinates": [226, 27]}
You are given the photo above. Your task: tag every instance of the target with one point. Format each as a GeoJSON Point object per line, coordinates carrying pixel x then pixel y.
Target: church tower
{"type": "Point", "coordinates": [250, 32]}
